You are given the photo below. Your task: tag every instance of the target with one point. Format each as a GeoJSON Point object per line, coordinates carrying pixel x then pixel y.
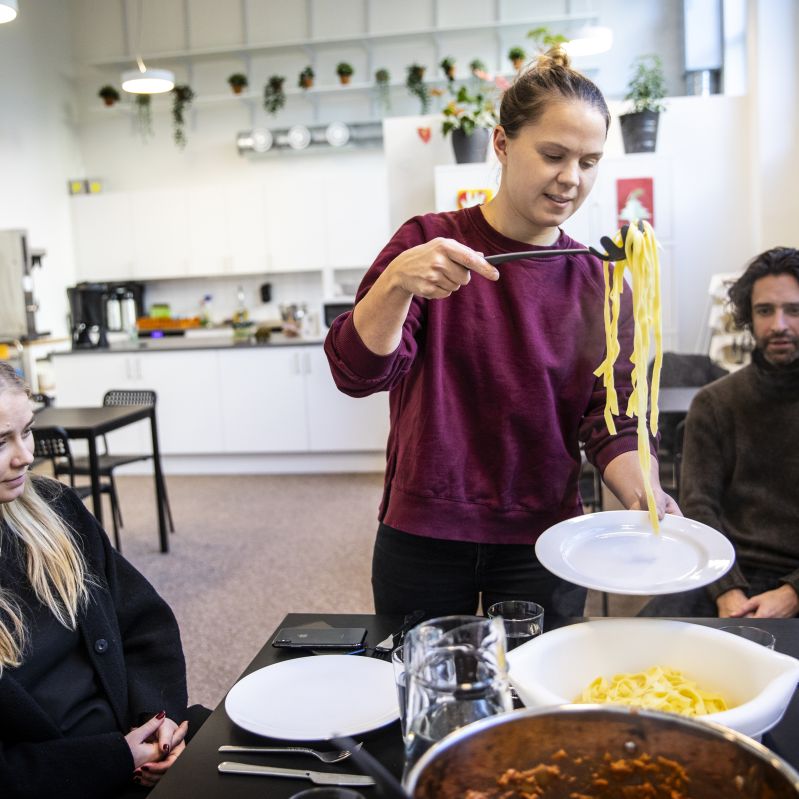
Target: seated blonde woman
{"type": "Point", "coordinates": [92, 677]}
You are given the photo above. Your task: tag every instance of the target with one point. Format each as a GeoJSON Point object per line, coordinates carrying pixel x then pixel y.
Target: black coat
{"type": "Point", "coordinates": [133, 642]}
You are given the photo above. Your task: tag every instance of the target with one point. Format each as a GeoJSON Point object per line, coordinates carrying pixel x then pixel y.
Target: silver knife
{"type": "Point", "coordinates": [316, 777]}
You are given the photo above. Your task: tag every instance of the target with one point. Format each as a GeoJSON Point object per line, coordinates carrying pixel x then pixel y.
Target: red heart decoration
{"type": "Point", "coordinates": [424, 134]}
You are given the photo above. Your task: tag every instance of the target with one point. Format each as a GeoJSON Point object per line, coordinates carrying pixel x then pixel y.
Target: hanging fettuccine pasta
{"type": "Point", "coordinates": [644, 265]}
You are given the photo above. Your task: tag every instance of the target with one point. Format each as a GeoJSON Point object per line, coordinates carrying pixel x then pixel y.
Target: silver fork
{"type": "Point", "coordinates": [335, 756]}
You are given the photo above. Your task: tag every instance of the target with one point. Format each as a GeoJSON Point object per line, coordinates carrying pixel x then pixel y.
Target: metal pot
{"type": "Point", "coordinates": [719, 762]}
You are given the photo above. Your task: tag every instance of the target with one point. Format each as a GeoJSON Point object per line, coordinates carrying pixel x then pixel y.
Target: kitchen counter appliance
{"type": "Point", "coordinates": [19, 306]}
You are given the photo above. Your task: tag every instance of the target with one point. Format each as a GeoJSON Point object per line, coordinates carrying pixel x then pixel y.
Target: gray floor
{"type": "Point", "coordinates": [249, 549]}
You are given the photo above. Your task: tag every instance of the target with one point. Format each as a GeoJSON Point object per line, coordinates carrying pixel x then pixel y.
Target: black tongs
{"type": "Point", "coordinates": [613, 252]}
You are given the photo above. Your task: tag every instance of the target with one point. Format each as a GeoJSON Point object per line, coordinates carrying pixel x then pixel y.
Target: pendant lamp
{"type": "Point", "coordinates": [8, 10]}
{"type": "Point", "coordinates": [143, 80]}
{"type": "Point", "coordinates": [591, 40]}
{"type": "Point", "coordinates": [147, 81]}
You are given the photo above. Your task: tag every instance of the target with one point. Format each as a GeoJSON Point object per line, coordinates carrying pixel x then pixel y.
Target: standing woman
{"type": "Point", "coordinates": [92, 675]}
{"type": "Point", "coordinates": [490, 372]}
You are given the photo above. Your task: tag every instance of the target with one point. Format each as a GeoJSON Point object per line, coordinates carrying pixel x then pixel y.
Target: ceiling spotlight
{"type": "Point", "coordinates": [261, 139]}
{"type": "Point", "coordinates": [8, 10]}
{"type": "Point", "coordinates": [337, 134]}
{"type": "Point", "coordinates": [591, 40]}
{"type": "Point", "coordinates": [299, 137]}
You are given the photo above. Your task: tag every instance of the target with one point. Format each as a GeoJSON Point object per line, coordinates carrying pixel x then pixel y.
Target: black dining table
{"type": "Point", "coordinates": [91, 422]}
{"type": "Point", "coordinates": [195, 773]}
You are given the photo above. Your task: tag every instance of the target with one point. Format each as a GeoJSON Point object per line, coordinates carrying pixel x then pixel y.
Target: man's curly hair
{"type": "Point", "coordinates": [777, 261]}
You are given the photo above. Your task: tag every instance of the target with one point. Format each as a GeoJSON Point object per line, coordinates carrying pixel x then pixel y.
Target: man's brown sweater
{"type": "Point", "coordinates": [741, 469]}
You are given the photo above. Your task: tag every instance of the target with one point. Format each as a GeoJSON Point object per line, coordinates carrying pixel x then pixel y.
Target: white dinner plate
{"type": "Point", "coordinates": [618, 552]}
{"type": "Point", "coordinates": [315, 697]}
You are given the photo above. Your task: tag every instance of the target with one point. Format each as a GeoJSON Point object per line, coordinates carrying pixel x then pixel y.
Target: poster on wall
{"type": "Point", "coordinates": [635, 199]}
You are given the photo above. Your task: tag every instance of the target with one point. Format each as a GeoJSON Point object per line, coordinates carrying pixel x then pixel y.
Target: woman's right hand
{"type": "Point", "coordinates": [145, 751]}
{"type": "Point", "coordinates": [435, 269]}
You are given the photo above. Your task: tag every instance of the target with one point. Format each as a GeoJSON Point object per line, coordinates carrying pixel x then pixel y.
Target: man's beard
{"type": "Point", "coordinates": [782, 356]}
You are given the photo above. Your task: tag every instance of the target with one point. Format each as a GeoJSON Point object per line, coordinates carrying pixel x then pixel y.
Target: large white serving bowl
{"type": "Point", "coordinates": [756, 682]}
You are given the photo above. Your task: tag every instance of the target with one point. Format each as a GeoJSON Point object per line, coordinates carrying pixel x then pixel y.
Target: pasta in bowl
{"type": "Point", "coordinates": [558, 666]}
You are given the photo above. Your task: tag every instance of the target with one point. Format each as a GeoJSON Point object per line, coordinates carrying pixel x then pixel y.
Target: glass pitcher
{"type": "Point", "coordinates": [456, 673]}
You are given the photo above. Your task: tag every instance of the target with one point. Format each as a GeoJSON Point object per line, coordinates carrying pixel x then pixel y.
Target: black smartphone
{"type": "Point", "coordinates": [320, 638]}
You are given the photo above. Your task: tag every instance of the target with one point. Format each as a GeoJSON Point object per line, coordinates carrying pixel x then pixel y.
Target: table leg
{"type": "Point", "coordinates": [159, 485]}
{"type": "Point", "coordinates": [94, 473]}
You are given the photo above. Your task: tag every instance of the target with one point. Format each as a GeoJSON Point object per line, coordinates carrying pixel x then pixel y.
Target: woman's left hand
{"type": "Point", "coordinates": [171, 744]}
{"type": "Point", "coordinates": [665, 503]}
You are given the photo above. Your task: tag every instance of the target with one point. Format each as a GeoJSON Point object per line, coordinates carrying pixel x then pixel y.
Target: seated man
{"type": "Point", "coordinates": [741, 455]}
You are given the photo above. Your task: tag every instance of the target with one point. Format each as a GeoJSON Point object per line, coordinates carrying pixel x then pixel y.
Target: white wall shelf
{"type": "Point", "coordinates": [362, 39]}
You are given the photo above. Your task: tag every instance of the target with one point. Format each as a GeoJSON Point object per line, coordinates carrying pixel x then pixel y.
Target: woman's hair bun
{"type": "Point", "coordinates": [554, 57]}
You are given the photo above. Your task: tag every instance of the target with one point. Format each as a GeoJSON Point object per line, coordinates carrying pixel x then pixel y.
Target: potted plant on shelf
{"type": "Point", "coordinates": [417, 87]}
{"type": "Point", "coordinates": [382, 79]}
{"type": "Point", "coordinates": [544, 38]}
{"type": "Point", "coordinates": [109, 94]}
{"type": "Point", "coordinates": [306, 78]}
{"type": "Point", "coordinates": [344, 71]}
{"type": "Point", "coordinates": [238, 82]}
{"type": "Point", "coordinates": [274, 94]}
{"type": "Point", "coordinates": [646, 90]}
{"type": "Point", "coordinates": [517, 56]}
{"type": "Point", "coordinates": [469, 117]}
{"type": "Point", "coordinates": [448, 67]}
{"type": "Point", "coordinates": [478, 67]}
{"type": "Point", "coordinates": [182, 97]}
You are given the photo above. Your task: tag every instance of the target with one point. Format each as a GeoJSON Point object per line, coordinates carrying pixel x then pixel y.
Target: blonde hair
{"type": "Point", "coordinates": [55, 566]}
{"type": "Point", "coordinates": [549, 77]}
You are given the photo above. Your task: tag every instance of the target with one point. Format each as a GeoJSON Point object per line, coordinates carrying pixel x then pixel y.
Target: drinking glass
{"type": "Point", "coordinates": [755, 634]}
{"type": "Point", "coordinates": [398, 662]}
{"type": "Point", "coordinates": [456, 673]}
{"type": "Point", "coordinates": [522, 620]}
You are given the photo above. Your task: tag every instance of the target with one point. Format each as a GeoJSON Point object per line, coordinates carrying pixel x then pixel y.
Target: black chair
{"type": "Point", "coordinates": [107, 462]}
{"type": "Point", "coordinates": [680, 370]}
{"type": "Point", "coordinates": [52, 443]}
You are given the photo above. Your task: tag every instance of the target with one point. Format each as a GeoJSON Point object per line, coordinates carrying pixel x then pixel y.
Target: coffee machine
{"type": "Point", "coordinates": [18, 307]}
{"type": "Point", "coordinates": [97, 308]}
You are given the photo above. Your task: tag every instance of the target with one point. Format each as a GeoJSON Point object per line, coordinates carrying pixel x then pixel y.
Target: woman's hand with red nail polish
{"type": "Point", "coordinates": [153, 771]}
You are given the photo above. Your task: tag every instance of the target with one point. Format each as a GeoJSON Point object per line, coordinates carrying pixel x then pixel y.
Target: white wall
{"type": "Point", "coordinates": [39, 145]}
{"type": "Point", "coordinates": [774, 115]}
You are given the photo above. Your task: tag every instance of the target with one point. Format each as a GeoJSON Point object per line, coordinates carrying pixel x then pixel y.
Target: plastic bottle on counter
{"type": "Point", "coordinates": [205, 311]}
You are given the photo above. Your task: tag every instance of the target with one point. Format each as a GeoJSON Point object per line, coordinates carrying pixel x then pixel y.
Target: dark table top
{"type": "Point", "coordinates": [93, 421]}
{"type": "Point", "coordinates": [195, 774]}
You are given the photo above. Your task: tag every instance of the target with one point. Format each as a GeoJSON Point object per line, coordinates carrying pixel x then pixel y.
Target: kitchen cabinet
{"type": "Point", "coordinates": [103, 234]}
{"type": "Point", "coordinates": [291, 404]}
{"type": "Point", "coordinates": [294, 210]}
{"type": "Point", "coordinates": [263, 400]}
{"type": "Point", "coordinates": [337, 422]}
{"type": "Point", "coordinates": [186, 384]}
{"type": "Point", "coordinates": [160, 228]}
{"type": "Point", "coordinates": [228, 401]}
{"type": "Point", "coordinates": [356, 219]}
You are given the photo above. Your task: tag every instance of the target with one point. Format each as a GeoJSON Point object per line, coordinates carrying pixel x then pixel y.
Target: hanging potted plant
{"type": "Point", "coordinates": [517, 57]}
{"type": "Point", "coordinates": [306, 78]}
{"type": "Point", "coordinates": [416, 85]}
{"type": "Point", "coordinates": [470, 118]}
{"type": "Point", "coordinates": [274, 95]}
{"type": "Point", "coordinates": [109, 94]}
{"type": "Point", "coordinates": [144, 116]}
{"type": "Point", "coordinates": [344, 71]}
{"type": "Point", "coordinates": [382, 79]}
{"type": "Point", "coordinates": [646, 90]}
{"type": "Point", "coordinates": [182, 97]}
{"type": "Point", "coordinates": [448, 68]}
{"type": "Point", "coordinates": [238, 82]}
